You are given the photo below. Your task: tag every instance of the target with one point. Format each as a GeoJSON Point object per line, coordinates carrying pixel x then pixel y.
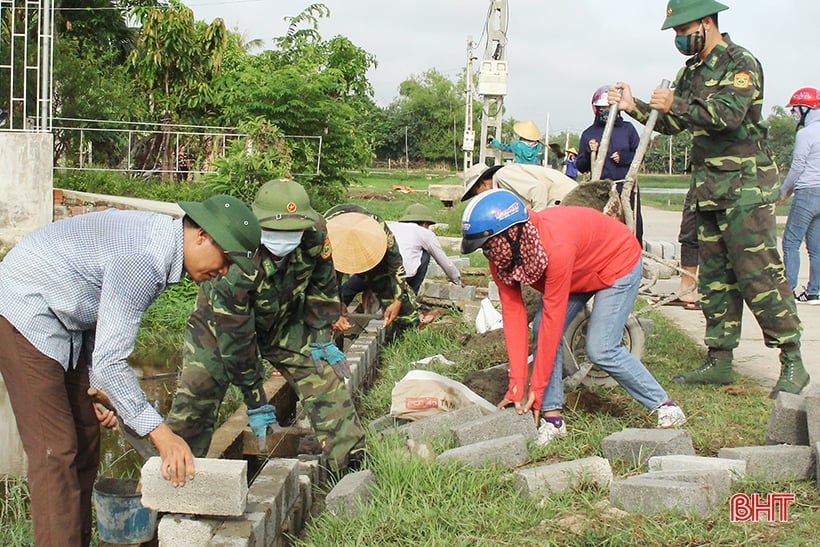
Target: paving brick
{"type": "Point", "coordinates": [736, 469]}
{"type": "Point", "coordinates": [440, 425]}
{"type": "Point", "coordinates": [510, 451]}
{"type": "Point", "coordinates": [435, 290]}
{"type": "Point", "coordinates": [247, 531]}
{"type": "Point", "coordinates": [774, 462]}
{"type": "Point", "coordinates": [717, 481]}
{"type": "Point", "coordinates": [636, 446]}
{"type": "Point", "coordinates": [557, 478]}
{"type": "Point", "coordinates": [492, 291]}
{"type": "Point", "coordinates": [811, 397]}
{"type": "Point", "coordinates": [645, 495]}
{"type": "Point", "coordinates": [277, 487]}
{"type": "Point", "coordinates": [456, 293]}
{"type": "Point", "coordinates": [787, 421]}
{"type": "Point", "coordinates": [228, 477]}
{"type": "Point", "coordinates": [185, 530]}
{"type": "Point", "coordinates": [349, 492]}
{"type": "Point", "coordinates": [494, 425]}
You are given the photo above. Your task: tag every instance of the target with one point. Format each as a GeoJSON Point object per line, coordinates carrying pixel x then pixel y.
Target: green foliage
{"type": "Point", "coordinates": [657, 155]}
{"type": "Point", "coordinates": [119, 184]}
{"type": "Point", "coordinates": [159, 339]}
{"type": "Point", "coordinates": [251, 161]}
{"type": "Point", "coordinates": [781, 138]}
{"type": "Point", "coordinates": [15, 521]}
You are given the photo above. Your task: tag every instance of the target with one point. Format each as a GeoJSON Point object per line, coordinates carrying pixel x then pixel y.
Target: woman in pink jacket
{"type": "Point", "coordinates": [569, 254]}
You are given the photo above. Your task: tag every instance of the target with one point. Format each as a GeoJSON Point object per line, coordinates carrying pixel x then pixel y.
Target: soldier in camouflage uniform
{"type": "Point", "coordinates": [281, 312]}
{"type": "Point", "coordinates": [718, 96]}
{"type": "Point", "coordinates": [381, 272]}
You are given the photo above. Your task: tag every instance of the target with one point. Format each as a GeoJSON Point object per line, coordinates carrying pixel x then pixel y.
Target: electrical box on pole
{"type": "Point", "coordinates": [468, 143]}
{"type": "Point", "coordinates": [493, 77]}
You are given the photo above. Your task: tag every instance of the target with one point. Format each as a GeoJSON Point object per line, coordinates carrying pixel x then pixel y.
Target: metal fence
{"type": "Point", "coordinates": [136, 147]}
{"type": "Point", "coordinates": [26, 52]}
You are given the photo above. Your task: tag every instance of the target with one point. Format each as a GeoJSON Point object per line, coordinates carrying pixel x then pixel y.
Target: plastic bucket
{"type": "Point", "coordinates": [121, 517]}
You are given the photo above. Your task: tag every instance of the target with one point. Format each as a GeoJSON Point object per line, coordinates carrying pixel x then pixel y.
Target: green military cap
{"type": "Point", "coordinates": [230, 223]}
{"type": "Point", "coordinates": [680, 12]}
{"type": "Point", "coordinates": [418, 213]}
{"type": "Point", "coordinates": [284, 205]}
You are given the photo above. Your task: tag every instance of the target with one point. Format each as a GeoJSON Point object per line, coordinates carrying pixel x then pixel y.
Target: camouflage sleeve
{"type": "Point", "coordinates": [728, 95]}
{"type": "Point", "coordinates": [230, 299]}
{"type": "Point", "coordinates": [667, 124]}
{"type": "Point", "coordinates": [395, 268]}
{"type": "Point", "coordinates": [322, 306]}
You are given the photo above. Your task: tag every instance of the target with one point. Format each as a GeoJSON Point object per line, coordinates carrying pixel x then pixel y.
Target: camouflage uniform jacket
{"type": "Point", "coordinates": [720, 100]}
{"type": "Point", "coordinates": [275, 313]}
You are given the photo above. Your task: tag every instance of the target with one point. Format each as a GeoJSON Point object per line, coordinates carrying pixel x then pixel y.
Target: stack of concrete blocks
{"type": "Point", "coordinates": [435, 271]}
{"type": "Point", "coordinates": [218, 509]}
{"type": "Point", "coordinates": [668, 255]}
{"type": "Point", "coordinates": [363, 355]}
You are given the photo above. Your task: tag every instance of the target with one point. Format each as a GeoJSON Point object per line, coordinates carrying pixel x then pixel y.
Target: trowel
{"type": "Point", "coordinates": [142, 445]}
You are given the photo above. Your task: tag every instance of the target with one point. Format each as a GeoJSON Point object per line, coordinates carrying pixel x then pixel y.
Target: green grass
{"type": "Point", "coordinates": [418, 503]}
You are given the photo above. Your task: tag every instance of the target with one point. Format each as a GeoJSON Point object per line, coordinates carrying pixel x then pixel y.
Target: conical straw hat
{"type": "Point", "coordinates": [527, 130]}
{"type": "Point", "coordinates": [358, 241]}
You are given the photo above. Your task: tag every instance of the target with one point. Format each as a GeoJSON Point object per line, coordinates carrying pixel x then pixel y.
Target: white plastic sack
{"type": "Point", "coordinates": [488, 317]}
{"type": "Point", "coordinates": [422, 393]}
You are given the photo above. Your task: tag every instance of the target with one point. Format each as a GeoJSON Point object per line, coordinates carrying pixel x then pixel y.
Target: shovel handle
{"type": "Point", "coordinates": [100, 398]}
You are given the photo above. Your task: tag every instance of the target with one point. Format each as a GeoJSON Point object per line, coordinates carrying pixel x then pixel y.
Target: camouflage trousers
{"type": "Point", "coordinates": [739, 261]}
{"type": "Point", "coordinates": [324, 397]}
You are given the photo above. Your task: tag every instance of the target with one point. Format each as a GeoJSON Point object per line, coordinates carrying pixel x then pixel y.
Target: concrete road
{"type": "Point", "coordinates": [752, 357]}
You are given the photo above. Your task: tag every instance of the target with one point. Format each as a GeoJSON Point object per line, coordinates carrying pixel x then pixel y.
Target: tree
{"type": "Point", "coordinates": [176, 59]}
{"type": "Point", "coordinates": [657, 155]}
{"type": "Point", "coordinates": [781, 137]}
{"type": "Point", "coordinates": [308, 88]}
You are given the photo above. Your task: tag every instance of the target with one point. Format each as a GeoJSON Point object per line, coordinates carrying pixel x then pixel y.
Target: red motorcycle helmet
{"type": "Point", "coordinates": [599, 98]}
{"type": "Point", "coordinates": [805, 96]}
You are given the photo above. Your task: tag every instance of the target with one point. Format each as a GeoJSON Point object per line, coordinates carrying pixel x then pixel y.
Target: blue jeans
{"type": "Point", "coordinates": [605, 328]}
{"type": "Point", "coordinates": [803, 223]}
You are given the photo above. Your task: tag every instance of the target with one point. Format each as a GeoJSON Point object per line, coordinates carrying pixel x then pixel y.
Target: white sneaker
{"type": "Point", "coordinates": [805, 298]}
{"type": "Point", "coordinates": [670, 416]}
{"type": "Point", "coordinates": [547, 432]}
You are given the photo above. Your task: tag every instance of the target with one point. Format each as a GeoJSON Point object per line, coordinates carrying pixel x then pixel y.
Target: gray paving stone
{"type": "Point", "coordinates": [636, 446]}
{"type": "Point", "coordinates": [787, 421]}
{"type": "Point", "coordinates": [185, 530]}
{"type": "Point", "coordinates": [494, 425]}
{"type": "Point", "coordinates": [775, 462]}
{"type": "Point", "coordinates": [352, 490]}
{"type": "Point", "coordinates": [508, 451]}
{"type": "Point", "coordinates": [646, 495]}
{"type": "Point", "coordinates": [811, 398]}
{"type": "Point", "coordinates": [441, 425]}
{"type": "Point", "coordinates": [558, 478]}
{"type": "Point", "coordinates": [677, 462]}
{"type": "Point", "coordinates": [228, 477]}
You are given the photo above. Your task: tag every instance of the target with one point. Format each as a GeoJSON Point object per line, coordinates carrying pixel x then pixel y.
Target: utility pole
{"type": "Point", "coordinates": [492, 77]}
{"type": "Point", "coordinates": [670, 154]}
{"type": "Point", "coordinates": [468, 142]}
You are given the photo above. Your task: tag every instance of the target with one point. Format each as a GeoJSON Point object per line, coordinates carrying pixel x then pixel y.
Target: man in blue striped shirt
{"type": "Point", "coordinates": [72, 295]}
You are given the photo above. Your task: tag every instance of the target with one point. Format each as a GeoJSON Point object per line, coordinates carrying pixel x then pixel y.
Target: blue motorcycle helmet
{"type": "Point", "coordinates": [489, 214]}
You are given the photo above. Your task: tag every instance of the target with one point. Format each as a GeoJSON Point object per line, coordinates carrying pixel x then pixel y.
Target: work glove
{"type": "Point", "coordinates": [327, 351]}
{"type": "Point", "coordinates": [262, 417]}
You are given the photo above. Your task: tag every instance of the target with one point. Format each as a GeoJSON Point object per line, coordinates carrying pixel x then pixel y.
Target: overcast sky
{"type": "Point", "coordinates": [558, 51]}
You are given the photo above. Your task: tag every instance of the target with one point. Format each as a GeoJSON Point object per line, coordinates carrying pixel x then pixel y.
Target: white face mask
{"type": "Point", "coordinates": [280, 243]}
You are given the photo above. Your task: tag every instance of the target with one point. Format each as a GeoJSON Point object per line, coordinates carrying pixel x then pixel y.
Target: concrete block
{"type": "Point", "coordinates": [492, 291]}
{"type": "Point", "coordinates": [645, 496]}
{"type": "Point", "coordinates": [441, 424]}
{"type": "Point", "coordinates": [775, 462]}
{"type": "Point", "coordinates": [435, 290]}
{"type": "Point", "coordinates": [228, 477]}
{"type": "Point", "coordinates": [352, 490]}
{"type": "Point", "coordinates": [469, 312]}
{"type": "Point", "coordinates": [508, 451]}
{"type": "Point", "coordinates": [376, 326]}
{"type": "Point", "coordinates": [276, 487]}
{"type": "Point", "coordinates": [185, 530]}
{"type": "Point", "coordinates": [736, 469]}
{"type": "Point", "coordinates": [717, 481]}
{"type": "Point", "coordinates": [636, 446]}
{"type": "Point", "coordinates": [247, 531]}
{"type": "Point", "coordinates": [436, 272]}
{"type": "Point", "coordinates": [458, 294]}
{"type": "Point", "coordinates": [558, 478]}
{"type": "Point", "coordinates": [385, 425]}
{"type": "Point", "coordinates": [787, 421]}
{"type": "Point", "coordinates": [450, 243]}
{"type": "Point", "coordinates": [494, 425]}
{"type": "Point", "coordinates": [811, 398]}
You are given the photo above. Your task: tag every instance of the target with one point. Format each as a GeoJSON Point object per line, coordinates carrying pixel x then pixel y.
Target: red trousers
{"type": "Point", "coordinates": [60, 434]}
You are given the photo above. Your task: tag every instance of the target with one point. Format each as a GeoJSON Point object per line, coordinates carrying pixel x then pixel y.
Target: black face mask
{"type": "Point", "coordinates": [691, 44]}
{"type": "Point", "coordinates": [601, 114]}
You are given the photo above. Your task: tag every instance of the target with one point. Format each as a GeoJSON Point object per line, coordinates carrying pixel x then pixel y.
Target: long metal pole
{"type": "Point", "coordinates": [603, 146]}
